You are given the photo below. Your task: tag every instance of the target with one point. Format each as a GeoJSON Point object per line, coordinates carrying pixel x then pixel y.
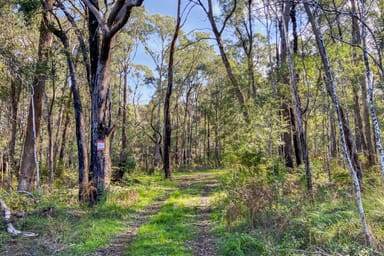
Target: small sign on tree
{"type": "Point", "coordinates": [100, 145]}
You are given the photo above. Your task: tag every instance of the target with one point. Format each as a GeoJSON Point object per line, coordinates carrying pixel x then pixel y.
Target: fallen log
{"type": "Point", "coordinates": [10, 228]}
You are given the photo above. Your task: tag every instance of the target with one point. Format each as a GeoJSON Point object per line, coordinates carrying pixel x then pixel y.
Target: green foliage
{"type": "Point", "coordinates": [68, 228]}
{"type": "Point", "coordinates": [29, 8]}
{"type": "Point", "coordinates": [241, 244]}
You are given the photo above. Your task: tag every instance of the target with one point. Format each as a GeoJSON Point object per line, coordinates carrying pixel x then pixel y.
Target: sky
{"type": "Point", "coordinates": [196, 20]}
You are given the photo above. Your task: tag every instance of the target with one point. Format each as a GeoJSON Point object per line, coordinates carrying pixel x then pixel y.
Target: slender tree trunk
{"type": "Point", "coordinates": [79, 119]}
{"type": "Point", "coordinates": [333, 93]}
{"type": "Point", "coordinates": [59, 124]}
{"type": "Point", "coordinates": [368, 78]}
{"type": "Point", "coordinates": [301, 134]}
{"type": "Point", "coordinates": [50, 159]}
{"type": "Point", "coordinates": [225, 60]}
{"type": "Point", "coordinates": [64, 138]}
{"type": "Point", "coordinates": [124, 144]}
{"type": "Point", "coordinates": [27, 169]}
{"type": "Point", "coordinates": [366, 135]}
{"type": "Point", "coordinates": [333, 141]}
{"type": "Point", "coordinates": [167, 118]}
{"type": "Point", "coordinates": [291, 144]}
{"type": "Point", "coordinates": [14, 102]}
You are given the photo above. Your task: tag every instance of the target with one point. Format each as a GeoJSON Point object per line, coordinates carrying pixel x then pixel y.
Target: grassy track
{"type": "Point", "coordinates": [67, 228]}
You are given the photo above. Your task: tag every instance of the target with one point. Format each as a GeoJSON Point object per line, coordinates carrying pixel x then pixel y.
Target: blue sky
{"type": "Point", "coordinates": [196, 21]}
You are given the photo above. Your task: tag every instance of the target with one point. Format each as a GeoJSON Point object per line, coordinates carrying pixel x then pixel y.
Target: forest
{"type": "Point", "coordinates": [231, 127]}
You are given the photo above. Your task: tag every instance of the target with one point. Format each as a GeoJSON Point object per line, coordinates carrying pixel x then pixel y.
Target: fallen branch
{"type": "Point", "coordinates": [28, 194]}
{"type": "Point", "coordinates": [10, 228]}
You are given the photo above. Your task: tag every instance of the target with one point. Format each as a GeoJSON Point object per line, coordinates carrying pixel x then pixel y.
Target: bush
{"type": "Point", "coordinates": [240, 244]}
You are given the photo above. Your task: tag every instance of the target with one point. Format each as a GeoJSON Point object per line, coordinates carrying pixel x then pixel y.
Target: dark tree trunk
{"type": "Point", "coordinates": [64, 138]}
{"type": "Point", "coordinates": [333, 140]}
{"type": "Point", "coordinates": [49, 108]}
{"type": "Point", "coordinates": [124, 144]}
{"type": "Point", "coordinates": [28, 165]}
{"type": "Point", "coordinates": [102, 36]}
{"type": "Point", "coordinates": [287, 147]}
{"type": "Point", "coordinates": [79, 119]}
{"type": "Point", "coordinates": [167, 118]}
{"type": "Point", "coordinates": [14, 102]}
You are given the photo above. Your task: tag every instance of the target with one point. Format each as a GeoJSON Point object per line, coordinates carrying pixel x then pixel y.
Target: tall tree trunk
{"type": "Point", "coordinates": [369, 83]}
{"type": "Point", "coordinates": [290, 138]}
{"type": "Point", "coordinates": [341, 120]}
{"type": "Point", "coordinates": [301, 134]}
{"type": "Point", "coordinates": [366, 137]}
{"type": "Point", "coordinates": [79, 119]}
{"type": "Point", "coordinates": [64, 138]}
{"type": "Point", "coordinates": [27, 169]}
{"type": "Point", "coordinates": [64, 105]}
{"type": "Point", "coordinates": [224, 57]}
{"type": "Point", "coordinates": [14, 98]}
{"type": "Point", "coordinates": [102, 36]}
{"type": "Point", "coordinates": [333, 141]}
{"type": "Point", "coordinates": [48, 110]}
{"type": "Point", "coordinates": [124, 144]}
{"type": "Point", "coordinates": [167, 118]}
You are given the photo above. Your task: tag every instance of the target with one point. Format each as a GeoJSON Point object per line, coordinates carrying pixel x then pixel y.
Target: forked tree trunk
{"type": "Point", "coordinates": [102, 36]}
{"type": "Point", "coordinates": [341, 121]}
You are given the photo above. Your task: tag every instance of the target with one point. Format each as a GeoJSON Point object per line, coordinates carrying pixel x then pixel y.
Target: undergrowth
{"type": "Point", "coordinates": [266, 209]}
{"type": "Point", "coordinates": [68, 228]}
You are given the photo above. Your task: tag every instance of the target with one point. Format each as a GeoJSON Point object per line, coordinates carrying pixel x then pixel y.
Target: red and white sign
{"type": "Point", "coordinates": [100, 145]}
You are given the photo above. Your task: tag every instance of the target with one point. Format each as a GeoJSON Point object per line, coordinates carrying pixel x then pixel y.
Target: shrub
{"type": "Point", "coordinates": [240, 244]}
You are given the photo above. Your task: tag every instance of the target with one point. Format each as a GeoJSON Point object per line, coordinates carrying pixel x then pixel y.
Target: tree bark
{"type": "Point", "coordinates": [369, 84]}
{"type": "Point", "coordinates": [27, 169]}
{"type": "Point", "coordinates": [14, 102]}
{"type": "Point", "coordinates": [167, 118]}
{"type": "Point", "coordinates": [366, 131]}
{"type": "Point", "coordinates": [102, 36]}
{"type": "Point", "coordinates": [341, 120]}
{"type": "Point", "coordinates": [224, 58]}
{"type": "Point", "coordinates": [301, 134]}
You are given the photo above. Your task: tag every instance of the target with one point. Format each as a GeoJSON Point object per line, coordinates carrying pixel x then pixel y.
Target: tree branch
{"type": "Point", "coordinates": [97, 15]}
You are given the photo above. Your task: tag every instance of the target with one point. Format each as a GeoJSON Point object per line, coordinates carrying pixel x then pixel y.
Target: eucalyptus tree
{"type": "Point", "coordinates": [156, 36]}
{"type": "Point", "coordinates": [298, 110]}
{"type": "Point", "coordinates": [17, 54]}
{"type": "Point", "coordinates": [218, 31]}
{"type": "Point", "coordinates": [343, 125]}
{"type": "Point", "coordinates": [82, 151]}
{"type": "Point", "coordinates": [369, 84]}
{"type": "Point", "coordinates": [32, 138]}
{"type": "Point", "coordinates": [167, 119]}
{"type": "Point", "coordinates": [104, 25]}
{"type": "Point", "coordinates": [243, 22]}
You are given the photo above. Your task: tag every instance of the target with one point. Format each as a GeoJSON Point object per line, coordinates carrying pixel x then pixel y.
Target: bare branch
{"type": "Point", "coordinates": [97, 15]}
{"type": "Point", "coordinates": [123, 15]}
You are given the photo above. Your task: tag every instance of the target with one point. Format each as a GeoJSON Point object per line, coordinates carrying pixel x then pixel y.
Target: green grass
{"type": "Point", "coordinates": [67, 228]}
{"type": "Point", "coordinates": [331, 225]}
{"type": "Point", "coordinates": [167, 233]}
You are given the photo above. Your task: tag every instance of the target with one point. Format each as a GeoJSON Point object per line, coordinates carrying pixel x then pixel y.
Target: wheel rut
{"type": "Point", "coordinates": [203, 243]}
